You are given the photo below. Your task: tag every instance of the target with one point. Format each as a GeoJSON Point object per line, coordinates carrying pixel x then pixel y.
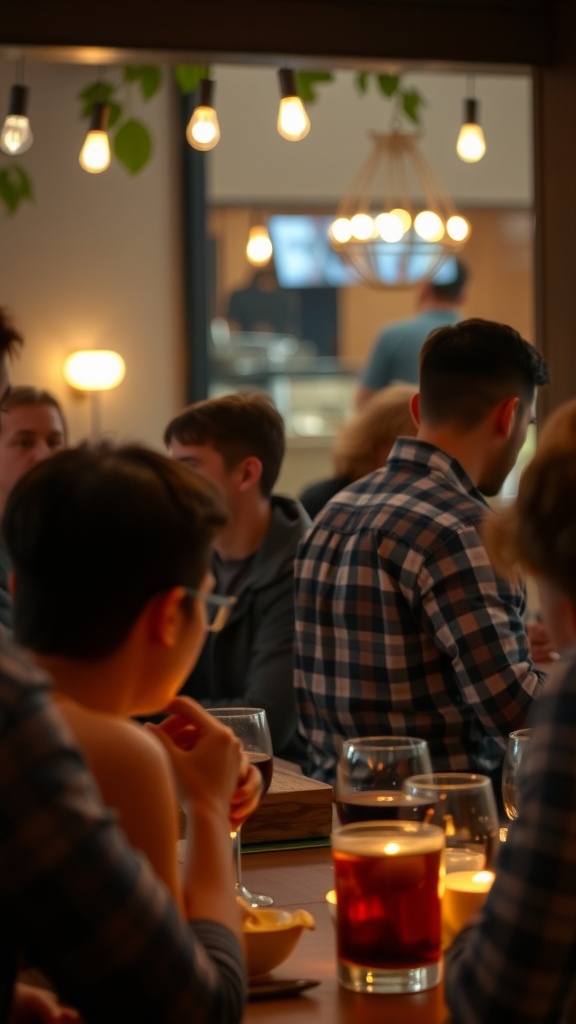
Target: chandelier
{"type": "Point", "coordinates": [396, 225]}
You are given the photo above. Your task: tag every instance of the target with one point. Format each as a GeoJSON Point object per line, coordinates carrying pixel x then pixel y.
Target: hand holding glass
{"type": "Point", "coordinates": [250, 726]}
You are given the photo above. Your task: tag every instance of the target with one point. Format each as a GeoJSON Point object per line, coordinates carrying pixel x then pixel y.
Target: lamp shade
{"type": "Point", "coordinates": [94, 369]}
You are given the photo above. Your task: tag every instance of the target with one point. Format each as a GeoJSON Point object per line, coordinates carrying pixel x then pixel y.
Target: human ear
{"type": "Point", "coordinates": [415, 408]}
{"type": "Point", "coordinates": [505, 419]}
{"type": "Point", "coordinates": [164, 612]}
{"type": "Point", "coordinates": [251, 472]}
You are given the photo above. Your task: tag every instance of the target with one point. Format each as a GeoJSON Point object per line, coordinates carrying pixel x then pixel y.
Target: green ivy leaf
{"type": "Point", "coordinates": [148, 77]}
{"type": "Point", "coordinates": [100, 92]}
{"type": "Point", "coordinates": [412, 101]}
{"type": "Point", "coordinates": [388, 84]}
{"type": "Point", "coordinates": [15, 187]}
{"type": "Point", "coordinates": [133, 146]}
{"type": "Point", "coordinates": [361, 81]}
{"type": "Point", "coordinates": [189, 76]}
{"type": "Point", "coordinates": [306, 82]}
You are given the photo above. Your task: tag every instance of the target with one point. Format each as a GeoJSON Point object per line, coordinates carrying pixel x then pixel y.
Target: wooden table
{"type": "Point", "coordinates": [301, 878]}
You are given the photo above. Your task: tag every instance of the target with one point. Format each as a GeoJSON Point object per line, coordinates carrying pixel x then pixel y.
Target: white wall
{"type": "Point", "coordinates": [96, 260]}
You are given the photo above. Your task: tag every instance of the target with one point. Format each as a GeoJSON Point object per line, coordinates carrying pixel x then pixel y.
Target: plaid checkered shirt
{"type": "Point", "coordinates": [402, 626]}
{"type": "Point", "coordinates": [519, 964]}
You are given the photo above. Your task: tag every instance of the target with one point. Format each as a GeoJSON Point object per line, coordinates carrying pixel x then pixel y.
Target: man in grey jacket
{"type": "Point", "coordinates": [238, 442]}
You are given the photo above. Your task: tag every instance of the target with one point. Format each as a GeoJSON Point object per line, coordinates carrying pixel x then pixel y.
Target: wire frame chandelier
{"type": "Point", "coordinates": [396, 224]}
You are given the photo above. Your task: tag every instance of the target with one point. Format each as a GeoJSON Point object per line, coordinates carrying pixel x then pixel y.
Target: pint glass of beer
{"type": "Point", "coordinates": [389, 883]}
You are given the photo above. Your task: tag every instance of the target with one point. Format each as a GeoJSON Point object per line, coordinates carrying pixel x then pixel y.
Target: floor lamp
{"type": "Point", "coordinates": [93, 371]}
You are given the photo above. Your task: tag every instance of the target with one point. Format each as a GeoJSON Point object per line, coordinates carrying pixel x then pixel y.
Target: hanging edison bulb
{"type": "Point", "coordinates": [16, 134]}
{"type": "Point", "coordinates": [95, 153]}
{"type": "Point", "coordinates": [293, 121]}
{"type": "Point", "coordinates": [471, 144]}
{"type": "Point", "coordinates": [203, 130]}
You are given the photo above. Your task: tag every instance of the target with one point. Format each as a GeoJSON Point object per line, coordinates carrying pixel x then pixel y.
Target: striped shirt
{"type": "Point", "coordinates": [402, 626]}
{"type": "Point", "coordinates": [519, 964]}
{"type": "Point", "coordinates": [76, 901]}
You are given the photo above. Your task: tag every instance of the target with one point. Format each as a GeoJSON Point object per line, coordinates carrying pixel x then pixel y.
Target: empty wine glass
{"type": "Point", "coordinates": [369, 777]}
{"type": "Point", "coordinates": [251, 726]}
{"type": "Point", "coordinates": [464, 804]}
{"type": "Point", "coordinates": [515, 748]}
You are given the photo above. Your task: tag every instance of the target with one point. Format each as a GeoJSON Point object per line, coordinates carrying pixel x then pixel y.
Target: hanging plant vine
{"type": "Point", "coordinates": [131, 139]}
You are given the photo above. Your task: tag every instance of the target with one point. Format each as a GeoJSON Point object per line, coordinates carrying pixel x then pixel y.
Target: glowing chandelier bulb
{"type": "Point", "coordinates": [389, 227]}
{"type": "Point", "coordinates": [457, 228]}
{"type": "Point", "coordinates": [341, 229]}
{"type": "Point", "coordinates": [293, 121]}
{"type": "Point", "coordinates": [259, 246]}
{"type": "Point", "coordinates": [362, 227]}
{"type": "Point", "coordinates": [429, 226]}
{"type": "Point", "coordinates": [471, 144]}
{"type": "Point", "coordinates": [16, 134]}
{"type": "Point", "coordinates": [203, 130]}
{"type": "Point", "coordinates": [95, 153]}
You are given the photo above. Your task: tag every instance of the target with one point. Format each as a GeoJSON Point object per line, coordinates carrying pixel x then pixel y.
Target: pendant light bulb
{"type": "Point", "coordinates": [16, 135]}
{"type": "Point", "coordinates": [95, 153]}
{"type": "Point", "coordinates": [293, 121]}
{"type": "Point", "coordinates": [259, 246]}
{"type": "Point", "coordinates": [203, 130]}
{"type": "Point", "coordinates": [471, 145]}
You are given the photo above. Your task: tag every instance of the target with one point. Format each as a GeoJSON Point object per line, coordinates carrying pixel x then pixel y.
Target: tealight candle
{"type": "Point", "coordinates": [464, 895]}
{"type": "Point", "coordinates": [330, 898]}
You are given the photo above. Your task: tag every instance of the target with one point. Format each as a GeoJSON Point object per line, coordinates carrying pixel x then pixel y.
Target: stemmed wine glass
{"type": "Point", "coordinates": [515, 749]}
{"type": "Point", "coordinates": [370, 773]}
{"type": "Point", "coordinates": [251, 726]}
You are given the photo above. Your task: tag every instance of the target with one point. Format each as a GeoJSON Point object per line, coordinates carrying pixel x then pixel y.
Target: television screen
{"type": "Point", "coordinates": [302, 254]}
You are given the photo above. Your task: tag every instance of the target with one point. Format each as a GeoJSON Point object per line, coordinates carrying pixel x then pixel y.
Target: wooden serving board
{"type": "Point", "coordinates": [294, 808]}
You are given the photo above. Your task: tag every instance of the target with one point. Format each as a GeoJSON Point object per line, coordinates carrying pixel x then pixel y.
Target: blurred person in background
{"type": "Point", "coordinates": [32, 428]}
{"type": "Point", "coordinates": [395, 352]}
{"type": "Point", "coordinates": [364, 443]}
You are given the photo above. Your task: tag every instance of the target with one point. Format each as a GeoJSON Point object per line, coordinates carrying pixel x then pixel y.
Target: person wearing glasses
{"type": "Point", "coordinates": [111, 549]}
{"type": "Point", "coordinates": [237, 441]}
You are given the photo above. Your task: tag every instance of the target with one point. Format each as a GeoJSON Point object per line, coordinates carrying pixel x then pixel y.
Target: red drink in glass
{"type": "Point", "coordinates": [389, 920]}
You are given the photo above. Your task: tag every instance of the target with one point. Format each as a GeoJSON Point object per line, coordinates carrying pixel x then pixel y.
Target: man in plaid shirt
{"type": "Point", "coordinates": [402, 627]}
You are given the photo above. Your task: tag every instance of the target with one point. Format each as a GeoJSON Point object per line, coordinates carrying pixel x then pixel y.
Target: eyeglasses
{"type": "Point", "coordinates": [218, 608]}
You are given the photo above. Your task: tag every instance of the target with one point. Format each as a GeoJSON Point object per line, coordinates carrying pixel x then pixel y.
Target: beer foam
{"type": "Point", "coordinates": [374, 839]}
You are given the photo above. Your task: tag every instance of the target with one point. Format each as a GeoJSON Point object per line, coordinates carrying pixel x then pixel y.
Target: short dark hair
{"type": "Point", "coordinates": [449, 288]}
{"type": "Point", "coordinates": [25, 395]}
{"type": "Point", "coordinates": [10, 338]}
{"type": "Point", "coordinates": [237, 426]}
{"type": "Point", "coordinates": [93, 533]}
{"type": "Point", "coordinates": [468, 367]}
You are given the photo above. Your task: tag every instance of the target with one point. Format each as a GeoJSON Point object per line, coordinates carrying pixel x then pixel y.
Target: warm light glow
{"type": "Point", "coordinates": [293, 121]}
{"type": "Point", "coordinates": [429, 226]}
{"type": "Point", "coordinates": [203, 131]}
{"type": "Point", "coordinates": [16, 135]}
{"type": "Point", "coordinates": [95, 153]}
{"type": "Point", "coordinates": [392, 848]}
{"type": "Point", "coordinates": [390, 227]}
{"type": "Point", "coordinates": [341, 229]}
{"type": "Point", "coordinates": [458, 228]}
{"type": "Point", "coordinates": [362, 226]}
{"type": "Point", "coordinates": [259, 246]}
{"type": "Point", "coordinates": [94, 370]}
{"type": "Point", "coordinates": [404, 216]}
{"type": "Point", "coordinates": [471, 144]}
{"type": "Point", "coordinates": [483, 877]}
{"type": "Point", "coordinates": [331, 896]}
